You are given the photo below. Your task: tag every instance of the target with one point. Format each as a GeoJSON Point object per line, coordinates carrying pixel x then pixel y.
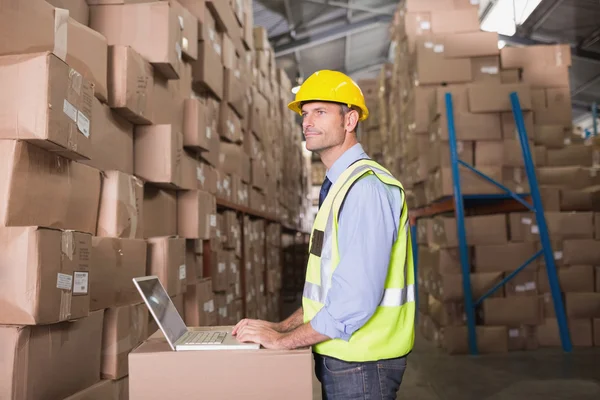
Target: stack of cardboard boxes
{"type": "Point", "coordinates": [123, 122]}
{"type": "Point", "coordinates": [439, 49]}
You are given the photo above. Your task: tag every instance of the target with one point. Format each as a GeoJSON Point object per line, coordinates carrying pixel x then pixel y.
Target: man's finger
{"type": "Point", "coordinates": [239, 325]}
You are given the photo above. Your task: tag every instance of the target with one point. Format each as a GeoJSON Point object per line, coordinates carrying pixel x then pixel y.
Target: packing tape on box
{"type": "Point", "coordinates": [61, 30]}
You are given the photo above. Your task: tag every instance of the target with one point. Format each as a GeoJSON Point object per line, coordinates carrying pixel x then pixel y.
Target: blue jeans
{"type": "Point", "coordinates": [376, 380]}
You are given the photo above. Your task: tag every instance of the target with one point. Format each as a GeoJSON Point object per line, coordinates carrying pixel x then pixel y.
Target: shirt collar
{"type": "Point", "coordinates": [349, 157]}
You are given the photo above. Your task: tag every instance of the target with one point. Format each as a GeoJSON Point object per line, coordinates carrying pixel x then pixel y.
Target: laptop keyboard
{"type": "Point", "coordinates": [205, 338]}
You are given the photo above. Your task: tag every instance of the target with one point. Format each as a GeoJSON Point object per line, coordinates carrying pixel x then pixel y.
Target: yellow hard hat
{"type": "Point", "coordinates": [331, 86]}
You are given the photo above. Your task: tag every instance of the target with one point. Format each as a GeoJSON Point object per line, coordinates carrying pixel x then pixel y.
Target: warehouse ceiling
{"type": "Point", "coordinates": [353, 36]}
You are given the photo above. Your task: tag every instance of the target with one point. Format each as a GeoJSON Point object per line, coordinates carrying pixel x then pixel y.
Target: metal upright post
{"type": "Point", "coordinates": [460, 227]}
{"type": "Point", "coordinates": [541, 221]}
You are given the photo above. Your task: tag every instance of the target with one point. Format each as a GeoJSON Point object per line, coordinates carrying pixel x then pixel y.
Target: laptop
{"type": "Point", "coordinates": [179, 336]}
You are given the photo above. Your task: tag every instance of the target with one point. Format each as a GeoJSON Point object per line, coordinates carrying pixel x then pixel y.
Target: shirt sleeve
{"type": "Point", "coordinates": [367, 229]}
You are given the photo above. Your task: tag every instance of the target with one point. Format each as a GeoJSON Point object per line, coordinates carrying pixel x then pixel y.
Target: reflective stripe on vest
{"type": "Point", "coordinates": [393, 297]}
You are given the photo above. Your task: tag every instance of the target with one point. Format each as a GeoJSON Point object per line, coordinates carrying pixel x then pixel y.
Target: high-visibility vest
{"type": "Point", "coordinates": [389, 333]}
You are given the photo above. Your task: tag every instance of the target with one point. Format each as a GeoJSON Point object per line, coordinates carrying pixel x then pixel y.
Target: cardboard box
{"type": "Point", "coordinates": [524, 283]}
{"type": "Point", "coordinates": [522, 338]}
{"type": "Point", "coordinates": [580, 332]}
{"type": "Point", "coordinates": [486, 69]}
{"type": "Point", "coordinates": [189, 30]}
{"type": "Point", "coordinates": [103, 390]}
{"type": "Point", "coordinates": [58, 192]}
{"type": "Point", "coordinates": [219, 271]}
{"type": "Point", "coordinates": [283, 372]}
{"type": "Point", "coordinates": [581, 252]}
{"type": "Point", "coordinates": [471, 126]}
{"type": "Point", "coordinates": [166, 260]}
{"type": "Point", "coordinates": [509, 126]}
{"type": "Point", "coordinates": [112, 147]}
{"type": "Point", "coordinates": [558, 55]}
{"type": "Point", "coordinates": [200, 304]}
{"type": "Point", "coordinates": [556, 199]}
{"type": "Point", "coordinates": [233, 160]}
{"type": "Point", "coordinates": [510, 76]}
{"type": "Point", "coordinates": [115, 262]}
{"type": "Point", "coordinates": [449, 288]}
{"type": "Point", "coordinates": [121, 206]}
{"type": "Point", "coordinates": [207, 70]}
{"type": "Point", "coordinates": [433, 68]}
{"type": "Point", "coordinates": [234, 92]}
{"type": "Point", "coordinates": [455, 21]}
{"type": "Point", "coordinates": [471, 44]}
{"type": "Point", "coordinates": [546, 77]}
{"type": "Point", "coordinates": [87, 53]}
{"type": "Point", "coordinates": [160, 212]}
{"type": "Point", "coordinates": [78, 9]}
{"type": "Point", "coordinates": [512, 311]}
{"type": "Point", "coordinates": [550, 136]}
{"type": "Point", "coordinates": [197, 134]}
{"type": "Point", "coordinates": [257, 201]}
{"type": "Point", "coordinates": [152, 140]}
{"type": "Point", "coordinates": [489, 97]}
{"type": "Point", "coordinates": [259, 175]}
{"type": "Point", "coordinates": [52, 279]}
{"type": "Point", "coordinates": [490, 339]}
{"type": "Point", "coordinates": [124, 329]}
{"type": "Point", "coordinates": [568, 225]}
{"type": "Point", "coordinates": [230, 125]}
{"type": "Point", "coordinates": [568, 177]}
{"type": "Point", "coordinates": [194, 262]}
{"type": "Point", "coordinates": [441, 182]}
{"type": "Point", "coordinates": [207, 178]}
{"type": "Point", "coordinates": [78, 358]}
{"type": "Point", "coordinates": [481, 230]}
{"type": "Point", "coordinates": [196, 214]}
{"type": "Point", "coordinates": [439, 154]}
{"type": "Point", "coordinates": [151, 29]}
{"type": "Point", "coordinates": [504, 257]}
{"type": "Point", "coordinates": [211, 156]}
{"type": "Point", "coordinates": [558, 97]}
{"type": "Point", "coordinates": [573, 154]}
{"type": "Point", "coordinates": [45, 102]}
{"type": "Point", "coordinates": [130, 84]}
{"type": "Point", "coordinates": [572, 279]}
{"type": "Point", "coordinates": [189, 164]}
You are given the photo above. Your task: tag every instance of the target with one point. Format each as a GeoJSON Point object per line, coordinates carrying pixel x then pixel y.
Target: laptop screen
{"type": "Point", "coordinates": [163, 308]}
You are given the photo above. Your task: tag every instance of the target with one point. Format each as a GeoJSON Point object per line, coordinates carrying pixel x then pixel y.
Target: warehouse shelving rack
{"type": "Point", "coordinates": [497, 203]}
{"type": "Point", "coordinates": [241, 211]}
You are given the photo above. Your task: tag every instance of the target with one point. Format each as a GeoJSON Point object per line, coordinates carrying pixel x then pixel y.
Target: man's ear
{"type": "Point", "coordinates": [351, 121]}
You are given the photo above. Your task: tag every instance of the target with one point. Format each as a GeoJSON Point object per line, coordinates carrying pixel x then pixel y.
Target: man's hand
{"type": "Point", "coordinates": [262, 334]}
{"type": "Point", "coordinates": [255, 322]}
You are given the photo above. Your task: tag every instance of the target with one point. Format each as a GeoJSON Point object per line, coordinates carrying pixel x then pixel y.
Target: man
{"type": "Point", "coordinates": [358, 305]}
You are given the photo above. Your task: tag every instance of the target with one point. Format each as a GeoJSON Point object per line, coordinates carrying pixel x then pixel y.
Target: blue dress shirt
{"type": "Point", "coordinates": [368, 227]}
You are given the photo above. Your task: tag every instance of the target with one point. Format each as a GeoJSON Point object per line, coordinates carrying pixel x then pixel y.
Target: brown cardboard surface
{"type": "Point", "coordinates": [207, 73]}
{"type": "Point", "coordinates": [160, 212]}
{"type": "Point", "coordinates": [550, 136]}
{"type": "Point", "coordinates": [282, 372]}
{"type": "Point", "coordinates": [230, 124]}
{"type": "Point", "coordinates": [151, 140]}
{"type": "Point", "coordinates": [424, 231]}
{"type": "Point", "coordinates": [207, 178]}
{"type": "Point", "coordinates": [573, 154]}
{"type": "Point", "coordinates": [196, 214]}
{"type": "Point", "coordinates": [568, 225]}
{"type": "Point", "coordinates": [41, 188]}
{"type": "Point", "coordinates": [234, 92]}
{"type": "Point", "coordinates": [112, 146]}
{"type": "Point", "coordinates": [441, 182]}
{"type": "Point", "coordinates": [472, 126]}
{"type": "Point", "coordinates": [30, 28]}
{"type": "Point", "coordinates": [233, 160]}
{"type": "Point", "coordinates": [115, 262]}
{"type": "Point", "coordinates": [460, 100]}
{"type": "Point", "coordinates": [596, 331]}
{"type": "Point", "coordinates": [130, 84]}
{"type": "Point", "coordinates": [446, 314]}
{"type": "Point", "coordinates": [581, 252]}
{"type": "Point", "coordinates": [573, 279]}
{"type": "Point", "coordinates": [44, 103]}
{"type": "Point", "coordinates": [510, 76]}
{"type": "Point", "coordinates": [503, 257]}
{"type": "Point", "coordinates": [522, 338]}
{"type": "Point", "coordinates": [449, 287]}
{"type": "Point", "coordinates": [439, 154]}
{"type": "Point", "coordinates": [486, 69]}
{"type": "Point", "coordinates": [580, 331]}
{"type": "Point", "coordinates": [499, 153]}
{"type": "Point", "coordinates": [556, 199]}
{"type": "Point", "coordinates": [259, 175]}
{"type": "Point", "coordinates": [88, 54]}
{"type": "Point", "coordinates": [211, 156]}
{"type": "Point", "coordinates": [524, 283]}
{"type": "Point", "coordinates": [189, 164]}
{"type": "Point", "coordinates": [78, 9]}
{"type": "Point", "coordinates": [73, 348]}
{"type": "Point", "coordinates": [455, 21]}
{"type": "Point", "coordinates": [197, 134]}
{"type": "Point", "coordinates": [490, 339]}
{"type": "Point", "coordinates": [546, 77]}
{"type": "Point", "coordinates": [41, 289]}
{"type": "Point", "coordinates": [124, 329]}
{"type": "Point", "coordinates": [509, 127]}
{"type": "Point", "coordinates": [568, 177]}
{"type": "Point", "coordinates": [200, 304]}
{"type": "Point", "coordinates": [121, 206]}
{"type": "Point", "coordinates": [539, 56]}
{"type": "Point", "coordinates": [166, 260]}
{"type": "Point", "coordinates": [490, 97]}
{"type": "Point", "coordinates": [471, 44]}
{"type": "Point", "coordinates": [558, 97]}
{"type": "Point", "coordinates": [189, 30]}
{"type": "Point", "coordinates": [433, 68]}
{"type": "Point", "coordinates": [512, 311]}
{"type": "Point", "coordinates": [151, 29]}
{"type": "Point", "coordinates": [481, 230]}
{"type": "Point", "coordinates": [103, 390]}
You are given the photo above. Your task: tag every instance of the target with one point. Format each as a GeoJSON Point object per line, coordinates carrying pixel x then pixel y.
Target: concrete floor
{"type": "Point", "coordinates": [546, 374]}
